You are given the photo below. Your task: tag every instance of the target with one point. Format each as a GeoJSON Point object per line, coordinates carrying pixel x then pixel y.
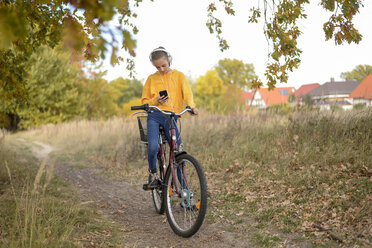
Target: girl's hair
{"type": "Point", "coordinates": [160, 52]}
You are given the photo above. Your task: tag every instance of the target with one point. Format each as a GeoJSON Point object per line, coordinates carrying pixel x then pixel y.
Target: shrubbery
{"type": "Point", "coordinates": [359, 106]}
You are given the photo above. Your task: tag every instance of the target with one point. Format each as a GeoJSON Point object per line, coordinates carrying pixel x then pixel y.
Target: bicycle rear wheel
{"type": "Point", "coordinates": [157, 193]}
{"type": "Point", "coordinates": [186, 211]}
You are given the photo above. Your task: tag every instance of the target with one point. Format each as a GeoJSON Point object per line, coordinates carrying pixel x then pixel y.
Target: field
{"type": "Point", "coordinates": [304, 175]}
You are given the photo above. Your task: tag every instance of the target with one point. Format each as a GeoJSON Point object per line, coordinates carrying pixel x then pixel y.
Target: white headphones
{"type": "Point", "coordinates": [160, 49]}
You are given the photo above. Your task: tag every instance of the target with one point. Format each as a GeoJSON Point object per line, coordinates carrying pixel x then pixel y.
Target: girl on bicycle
{"type": "Point", "coordinates": [177, 92]}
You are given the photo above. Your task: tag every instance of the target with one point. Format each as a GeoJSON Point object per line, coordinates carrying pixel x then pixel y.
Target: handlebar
{"type": "Point", "coordinates": [148, 108]}
{"type": "Point", "coordinates": [137, 107]}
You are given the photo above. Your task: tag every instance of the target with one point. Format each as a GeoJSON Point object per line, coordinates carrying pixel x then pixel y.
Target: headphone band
{"type": "Point", "coordinates": [160, 49]}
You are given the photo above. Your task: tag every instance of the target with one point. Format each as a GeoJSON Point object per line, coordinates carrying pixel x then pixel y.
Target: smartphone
{"type": "Point", "coordinates": [163, 93]}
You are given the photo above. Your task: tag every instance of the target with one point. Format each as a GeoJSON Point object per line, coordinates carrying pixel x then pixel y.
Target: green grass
{"type": "Point", "coordinates": [40, 210]}
{"type": "Point", "coordinates": [267, 214]}
{"type": "Point", "coordinates": [266, 240]}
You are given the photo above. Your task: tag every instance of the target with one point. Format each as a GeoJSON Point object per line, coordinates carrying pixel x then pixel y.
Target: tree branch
{"type": "Point", "coordinates": [331, 234]}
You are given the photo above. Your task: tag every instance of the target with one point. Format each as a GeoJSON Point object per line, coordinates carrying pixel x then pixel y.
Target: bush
{"type": "Point", "coordinates": [4, 121]}
{"type": "Point", "coordinates": [359, 106]}
{"type": "Point", "coordinates": [336, 107]}
{"type": "Point", "coordinates": [280, 109]}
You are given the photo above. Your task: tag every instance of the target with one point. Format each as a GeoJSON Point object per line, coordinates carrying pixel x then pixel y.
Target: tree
{"type": "Point", "coordinates": [209, 90]}
{"type": "Point", "coordinates": [231, 100]}
{"type": "Point", "coordinates": [129, 89]}
{"type": "Point", "coordinates": [100, 98]}
{"type": "Point", "coordinates": [59, 90]}
{"type": "Point", "coordinates": [233, 71]}
{"type": "Point", "coordinates": [54, 89]}
{"type": "Point", "coordinates": [213, 94]}
{"type": "Point", "coordinates": [8, 116]}
{"type": "Point", "coordinates": [133, 102]}
{"type": "Point", "coordinates": [308, 100]}
{"type": "Point", "coordinates": [358, 74]}
{"type": "Point", "coordinates": [281, 30]}
{"type": "Point", "coordinates": [84, 26]}
{"type": "Point", "coordinates": [292, 98]}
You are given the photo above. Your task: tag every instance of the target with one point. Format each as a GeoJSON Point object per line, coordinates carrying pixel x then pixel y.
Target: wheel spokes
{"type": "Point", "coordinates": [184, 209]}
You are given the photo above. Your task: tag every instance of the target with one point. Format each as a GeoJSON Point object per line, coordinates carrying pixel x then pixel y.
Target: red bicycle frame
{"type": "Point", "coordinates": [172, 144]}
{"type": "Point", "coordinates": [172, 159]}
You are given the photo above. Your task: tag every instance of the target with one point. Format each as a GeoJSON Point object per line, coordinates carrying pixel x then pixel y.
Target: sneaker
{"type": "Point", "coordinates": [180, 147]}
{"type": "Point", "coordinates": [153, 182]}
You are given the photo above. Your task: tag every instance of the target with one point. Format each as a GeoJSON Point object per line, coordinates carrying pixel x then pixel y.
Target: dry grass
{"type": "Point", "coordinates": [289, 171]}
{"type": "Point", "coordinates": [295, 171]}
{"type": "Point", "coordinates": [39, 210]}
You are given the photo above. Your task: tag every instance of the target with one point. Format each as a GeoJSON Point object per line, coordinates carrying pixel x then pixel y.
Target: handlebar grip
{"type": "Point", "coordinates": [190, 110]}
{"type": "Point", "coordinates": [136, 107]}
{"type": "Point", "coordinates": [141, 107]}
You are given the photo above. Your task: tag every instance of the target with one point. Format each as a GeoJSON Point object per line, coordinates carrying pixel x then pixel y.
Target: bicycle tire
{"type": "Point", "coordinates": [157, 193]}
{"type": "Point", "coordinates": [194, 204]}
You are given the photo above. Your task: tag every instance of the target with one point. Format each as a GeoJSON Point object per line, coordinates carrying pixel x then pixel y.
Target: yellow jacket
{"type": "Point", "coordinates": [174, 82]}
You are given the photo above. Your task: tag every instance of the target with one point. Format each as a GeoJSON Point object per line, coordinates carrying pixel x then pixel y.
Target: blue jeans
{"type": "Point", "coordinates": [154, 120]}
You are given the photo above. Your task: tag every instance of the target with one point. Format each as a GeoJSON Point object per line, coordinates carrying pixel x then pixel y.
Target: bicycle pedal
{"type": "Point", "coordinates": [146, 187]}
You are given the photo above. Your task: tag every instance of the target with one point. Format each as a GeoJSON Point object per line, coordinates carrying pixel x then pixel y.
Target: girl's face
{"type": "Point", "coordinates": [162, 65]}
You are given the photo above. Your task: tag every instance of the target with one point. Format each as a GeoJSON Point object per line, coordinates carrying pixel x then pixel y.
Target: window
{"type": "Point", "coordinates": [284, 92]}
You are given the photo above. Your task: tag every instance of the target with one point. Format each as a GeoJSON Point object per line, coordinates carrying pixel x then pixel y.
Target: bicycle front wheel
{"type": "Point", "coordinates": [186, 208]}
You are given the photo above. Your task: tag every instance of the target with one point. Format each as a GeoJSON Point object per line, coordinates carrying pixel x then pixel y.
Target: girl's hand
{"type": "Point", "coordinates": [162, 100]}
{"type": "Point", "coordinates": [196, 111]}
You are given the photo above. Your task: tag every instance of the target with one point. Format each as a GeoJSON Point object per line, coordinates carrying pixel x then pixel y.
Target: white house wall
{"type": "Point", "coordinates": [361, 100]}
{"type": "Point", "coordinates": [330, 96]}
{"type": "Point", "coordinates": [258, 101]}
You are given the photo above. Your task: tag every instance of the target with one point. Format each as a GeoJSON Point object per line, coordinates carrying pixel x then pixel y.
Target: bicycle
{"type": "Point", "coordinates": [183, 197]}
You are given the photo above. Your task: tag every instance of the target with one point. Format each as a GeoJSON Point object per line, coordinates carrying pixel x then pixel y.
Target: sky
{"type": "Point", "coordinates": [179, 26]}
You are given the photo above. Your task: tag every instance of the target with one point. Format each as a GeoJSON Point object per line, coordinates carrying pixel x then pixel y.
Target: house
{"type": "Point", "coordinates": [301, 92]}
{"type": "Point", "coordinates": [363, 92]}
{"type": "Point", "coordinates": [334, 92]}
{"type": "Point", "coordinates": [264, 97]}
{"type": "Point", "coordinates": [247, 97]}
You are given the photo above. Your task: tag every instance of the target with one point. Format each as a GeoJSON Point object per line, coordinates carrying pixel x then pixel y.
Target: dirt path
{"type": "Point", "coordinates": [41, 150]}
{"type": "Point", "coordinates": [132, 209]}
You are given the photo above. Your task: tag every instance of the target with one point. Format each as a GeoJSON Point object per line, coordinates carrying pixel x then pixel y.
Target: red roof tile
{"type": "Point", "coordinates": [247, 95]}
{"type": "Point", "coordinates": [276, 96]}
{"type": "Point", "coordinates": [364, 89]}
{"type": "Point", "coordinates": [304, 89]}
